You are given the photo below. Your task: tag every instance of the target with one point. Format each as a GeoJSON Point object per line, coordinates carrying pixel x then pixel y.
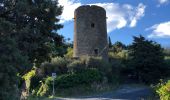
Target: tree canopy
{"type": "Point", "coordinates": [147, 59]}
{"type": "Point", "coordinates": [28, 35]}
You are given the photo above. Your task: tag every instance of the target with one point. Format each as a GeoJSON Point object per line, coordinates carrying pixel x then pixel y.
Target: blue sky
{"type": "Point", "coordinates": [126, 18]}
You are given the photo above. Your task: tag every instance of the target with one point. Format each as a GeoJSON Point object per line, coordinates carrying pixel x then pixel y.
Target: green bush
{"type": "Point", "coordinates": [163, 90]}
{"type": "Point", "coordinates": [70, 80]}
{"type": "Point", "coordinates": [46, 87]}
{"type": "Point", "coordinates": [98, 63]}
{"type": "Point", "coordinates": [58, 65]}
{"type": "Point", "coordinates": [69, 53]}
{"type": "Point", "coordinates": [108, 69]}
{"type": "Point", "coordinates": [88, 76]}
{"type": "Point", "coordinates": [76, 66]}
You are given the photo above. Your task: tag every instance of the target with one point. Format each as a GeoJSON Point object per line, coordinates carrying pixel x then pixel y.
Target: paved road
{"type": "Point", "coordinates": [125, 92]}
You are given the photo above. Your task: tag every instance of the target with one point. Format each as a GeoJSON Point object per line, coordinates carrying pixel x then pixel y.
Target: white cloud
{"type": "Point", "coordinates": [116, 16]}
{"type": "Point", "coordinates": [161, 30]}
{"type": "Point", "coordinates": [119, 16]}
{"type": "Point", "coordinates": [139, 13]}
{"type": "Point", "coordinates": [163, 1]}
{"type": "Point", "coordinates": [68, 10]}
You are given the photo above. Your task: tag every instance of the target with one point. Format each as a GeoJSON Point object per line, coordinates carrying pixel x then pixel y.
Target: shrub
{"type": "Point", "coordinates": [98, 63]}
{"type": "Point", "coordinates": [88, 76]}
{"type": "Point", "coordinates": [69, 53]}
{"type": "Point", "coordinates": [76, 66]}
{"type": "Point", "coordinates": [46, 87]}
{"type": "Point", "coordinates": [70, 80]}
{"type": "Point", "coordinates": [163, 90]}
{"type": "Point", "coordinates": [58, 65]}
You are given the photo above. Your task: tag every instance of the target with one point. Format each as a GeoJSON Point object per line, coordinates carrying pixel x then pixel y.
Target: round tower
{"type": "Point", "coordinates": [90, 32]}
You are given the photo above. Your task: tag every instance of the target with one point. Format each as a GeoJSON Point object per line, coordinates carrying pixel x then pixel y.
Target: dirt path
{"type": "Point", "coordinates": [125, 92]}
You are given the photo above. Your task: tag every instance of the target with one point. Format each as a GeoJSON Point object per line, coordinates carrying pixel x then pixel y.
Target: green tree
{"type": "Point", "coordinates": [27, 34]}
{"type": "Point", "coordinates": [147, 59]}
{"type": "Point", "coordinates": [11, 62]}
{"type": "Point", "coordinates": [36, 22]}
{"type": "Point", "coordinates": [36, 25]}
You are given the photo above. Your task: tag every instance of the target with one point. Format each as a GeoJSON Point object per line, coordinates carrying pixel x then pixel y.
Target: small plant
{"type": "Point", "coordinates": [163, 90]}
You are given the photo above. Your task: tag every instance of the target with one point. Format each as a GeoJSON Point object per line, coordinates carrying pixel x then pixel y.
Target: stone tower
{"type": "Point", "coordinates": [90, 32]}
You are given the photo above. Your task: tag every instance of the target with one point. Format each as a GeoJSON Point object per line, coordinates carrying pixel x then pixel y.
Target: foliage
{"type": "Point", "coordinates": [146, 60]}
{"type": "Point", "coordinates": [57, 64]}
{"type": "Point", "coordinates": [38, 17]}
{"type": "Point", "coordinates": [163, 90]}
{"type": "Point", "coordinates": [11, 62]}
{"type": "Point", "coordinates": [167, 52]}
{"type": "Point", "coordinates": [98, 63]}
{"type": "Point", "coordinates": [70, 80]}
{"type": "Point", "coordinates": [69, 53]}
{"type": "Point", "coordinates": [85, 77]}
{"type": "Point", "coordinates": [32, 80]}
{"type": "Point", "coordinates": [117, 47]}
{"type": "Point", "coordinates": [27, 77]}
{"type": "Point", "coordinates": [76, 66]}
{"type": "Point", "coordinates": [35, 26]}
{"type": "Point", "coordinates": [45, 87]}
{"type": "Point", "coordinates": [27, 35]}
{"type": "Point", "coordinates": [167, 60]}
{"type": "Point", "coordinates": [119, 65]}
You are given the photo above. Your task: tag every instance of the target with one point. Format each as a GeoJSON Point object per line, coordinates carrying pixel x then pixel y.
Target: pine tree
{"type": "Point", "coordinates": [147, 59]}
{"type": "Point", "coordinates": [36, 22]}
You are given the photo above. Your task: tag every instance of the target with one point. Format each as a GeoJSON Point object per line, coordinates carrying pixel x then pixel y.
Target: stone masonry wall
{"type": "Point", "coordinates": [90, 32]}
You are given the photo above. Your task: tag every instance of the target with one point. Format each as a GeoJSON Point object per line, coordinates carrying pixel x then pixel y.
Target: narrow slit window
{"type": "Point", "coordinates": [96, 51]}
{"type": "Point", "coordinates": [92, 25]}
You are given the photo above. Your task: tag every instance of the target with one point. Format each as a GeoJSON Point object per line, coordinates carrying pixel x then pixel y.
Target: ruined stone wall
{"type": "Point", "coordinates": [90, 33]}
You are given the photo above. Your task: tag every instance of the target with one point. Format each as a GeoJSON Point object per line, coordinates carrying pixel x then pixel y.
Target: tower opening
{"type": "Point", "coordinates": [92, 25]}
{"type": "Point", "coordinates": [96, 51]}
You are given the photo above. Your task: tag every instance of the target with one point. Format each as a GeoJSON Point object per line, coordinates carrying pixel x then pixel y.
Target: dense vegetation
{"type": "Point", "coordinates": [31, 49]}
{"type": "Point", "coordinates": [146, 60]}
{"type": "Point", "coordinates": [143, 61]}
{"type": "Point", "coordinates": [27, 36]}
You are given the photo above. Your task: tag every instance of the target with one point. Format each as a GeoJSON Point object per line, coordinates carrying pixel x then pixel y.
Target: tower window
{"type": "Point", "coordinates": [92, 25]}
{"type": "Point", "coordinates": [96, 51]}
